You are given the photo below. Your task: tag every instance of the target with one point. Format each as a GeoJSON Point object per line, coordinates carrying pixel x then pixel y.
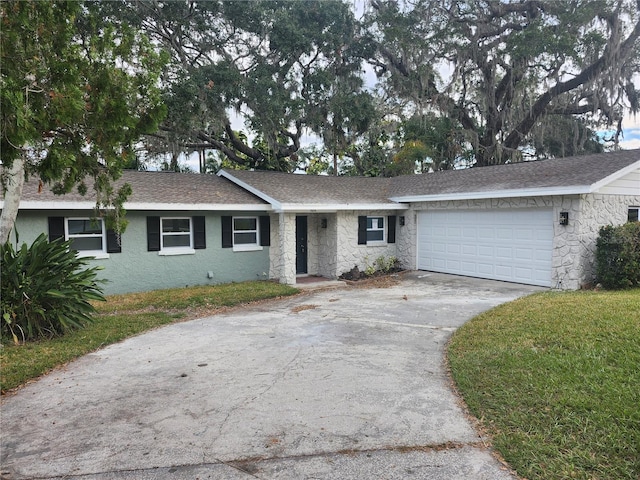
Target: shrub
{"type": "Point", "coordinates": [618, 256]}
{"type": "Point", "coordinates": [45, 290]}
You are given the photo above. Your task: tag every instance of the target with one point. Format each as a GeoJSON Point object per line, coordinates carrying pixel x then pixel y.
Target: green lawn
{"type": "Point", "coordinates": [123, 316]}
{"type": "Point", "coordinates": [555, 379]}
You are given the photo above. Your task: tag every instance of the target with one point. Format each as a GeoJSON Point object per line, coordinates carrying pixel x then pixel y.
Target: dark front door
{"type": "Point", "coordinates": [301, 245]}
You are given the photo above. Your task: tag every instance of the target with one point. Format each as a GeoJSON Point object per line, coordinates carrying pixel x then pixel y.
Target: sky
{"type": "Point", "coordinates": [631, 129]}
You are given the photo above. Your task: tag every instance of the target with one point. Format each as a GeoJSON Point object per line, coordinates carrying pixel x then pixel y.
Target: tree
{"type": "Point", "coordinates": [75, 95]}
{"type": "Point", "coordinates": [282, 66]}
{"type": "Point", "coordinates": [500, 70]}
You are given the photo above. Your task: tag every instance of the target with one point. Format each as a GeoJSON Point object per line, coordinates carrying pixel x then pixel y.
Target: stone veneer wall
{"type": "Point", "coordinates": [597, 210]}
{"type": "Point", "coordinates": [327, 249]}
{"type": "Point", "coordinates": [573, 261]}
{"type": "Point", "coordinates": [321, 251]}
{"type": "Point", "coordinates": [282, 260]}
{"type": "Point", "coordinates": [349, 253]}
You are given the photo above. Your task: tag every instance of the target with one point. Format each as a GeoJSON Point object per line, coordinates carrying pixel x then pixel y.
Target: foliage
{"type": "Point", "coordinates": [380, 266]}
{"type": "Point", "coordinates": [46, 290]}
{"type": "Point", "coordinates": [76, 94]}
{"type": "Point", "coordinates": [553, 378]}
{"type": "Point", "coordinates": [123, 316]}
{"type": "Point", "coordinates": [618, 256]}
{"type": "Point", "coordinates": [281, 66]}
{"type": "Point", "coordinates": [386, 265]}
{"type": "Point", "coordinates": [499, 71]}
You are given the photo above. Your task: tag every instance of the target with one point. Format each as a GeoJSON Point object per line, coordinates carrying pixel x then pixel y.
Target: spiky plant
{"type": "Point", "coordinates": [46, 290]}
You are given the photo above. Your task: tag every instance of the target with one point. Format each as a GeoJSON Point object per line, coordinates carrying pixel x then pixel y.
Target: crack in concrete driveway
{"type": "Point", "coordinates": [353, 388]}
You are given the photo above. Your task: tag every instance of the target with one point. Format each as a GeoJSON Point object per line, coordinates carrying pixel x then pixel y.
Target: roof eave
{"type": "Point", "coordinates": [614, 176]}
{"type": "Point", "coordinates": [336, 207]}
{"type": "Point", "coordinates": [143, 206]}
{"type": "Point", "coordinates": [260, 194]}
{"type": "Point", "coordinates": [520, 192]}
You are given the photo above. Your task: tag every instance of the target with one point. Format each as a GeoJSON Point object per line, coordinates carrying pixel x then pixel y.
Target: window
{"type": "Point", "coordinates": [375, 229]}
{"type": "Point", "coordinates": [371, 230]}
{"type": "Point", "coordinates": [632, 215]}
{"type": "Point", "coordinates": [176, 235]}
{"type": "Point", "coordinates": [245, 233]}
{"type": "Point", "coordinates": [87, 236]}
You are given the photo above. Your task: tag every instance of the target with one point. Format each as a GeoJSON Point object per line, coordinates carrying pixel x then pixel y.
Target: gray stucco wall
{"type": "Point", "coordinates": [573, 261]}
{"type": "Point", "coordinates": [135, 269]}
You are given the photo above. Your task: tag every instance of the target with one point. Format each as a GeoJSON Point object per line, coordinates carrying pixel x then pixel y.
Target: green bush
{"type": "Point", "coordinates": [46, 290]}
{"type": "Point", "coordinates": [618, 256]}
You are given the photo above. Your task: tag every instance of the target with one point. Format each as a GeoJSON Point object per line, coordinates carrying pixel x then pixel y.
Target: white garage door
{"type": "Point", "coordinates": [510, 245]}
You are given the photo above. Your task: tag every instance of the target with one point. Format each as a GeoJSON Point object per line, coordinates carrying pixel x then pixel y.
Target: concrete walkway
{"type": "Point", "coordinates": [344, 383]}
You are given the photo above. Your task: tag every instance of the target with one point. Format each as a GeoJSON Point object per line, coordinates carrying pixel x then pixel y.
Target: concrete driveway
{"type": "Point", "coordinates": [334, 384]}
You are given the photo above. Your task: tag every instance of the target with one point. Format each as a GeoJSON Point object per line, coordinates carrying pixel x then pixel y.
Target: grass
{"type": "Point", "coordinates": [555, 380]}
{"type": "Point", "coordinates": [123, 316]}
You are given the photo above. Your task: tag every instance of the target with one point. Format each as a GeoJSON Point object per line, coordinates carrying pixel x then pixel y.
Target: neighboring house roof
{"type": "Point", "coordinates": [153, 191]}
{"type": "Point", "coordinates": [292, 192]}
{"type": "Point", "coordinates": [559, 176]}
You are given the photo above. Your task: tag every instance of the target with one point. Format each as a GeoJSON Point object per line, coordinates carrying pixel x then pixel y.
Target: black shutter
{"type": "Point", "coordinates": [114, 243]}
{"type": "Point", "coordinates": [265, 231]}
{"type": "Point", "coordinates": [199, 234]}
{"type": "Point", "coordinates": [227, 232]}
{"type": "Point", "coordinates": [362, 230]}
{"type": "Point", "coordinates": [391, 234]}
{"type": "Point", "coordinates": [56, 228]}
{"type": "Point", "coordinates": [153, 234]}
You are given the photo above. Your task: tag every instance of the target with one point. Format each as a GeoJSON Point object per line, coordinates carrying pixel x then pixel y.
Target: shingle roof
{"type": "Point", "coordinates": [584, 170]}
{"type": "Point", "coordinates": [293, 189]}
{"type": "Point", "coordinates": [209, 191]}
{"type": "Point", "coordinates": [158, 187]}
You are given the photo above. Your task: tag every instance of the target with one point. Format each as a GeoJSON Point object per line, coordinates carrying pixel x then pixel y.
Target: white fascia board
{"type": "Point", "coordinates": [615, 176]}
{"type": "Point", "coordinates": [200, 207]}
{"type": "Point", "coordinates": [55, 205]}
{"type": "Point", "coordinates": [274, 203]}
{"type": "Point", "coordinates": [523, 192]}
{"type": "Point", "coordinates": [331, 208]}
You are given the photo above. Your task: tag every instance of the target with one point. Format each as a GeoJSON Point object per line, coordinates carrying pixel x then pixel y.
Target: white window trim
{"type": "Point", "coordinates": [633, 207]}
{"type": "Point", "coordinates": [97, 254]}
{"type": "Point", "coordinates": [384, 231]}
{"type": "Point", "coordinates": [167, 251]}
{"type": "Point", "coordinates": [245, 247]}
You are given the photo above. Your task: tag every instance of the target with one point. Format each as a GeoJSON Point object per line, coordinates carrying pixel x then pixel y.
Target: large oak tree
{"type": "Point", "coordinates": [284, 67]}
{"type": "Point", "coordinates": [502, 71]}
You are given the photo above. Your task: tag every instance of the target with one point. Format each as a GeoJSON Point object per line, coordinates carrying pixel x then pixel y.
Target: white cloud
{"type": "Point", "coordinates": [630, 144]}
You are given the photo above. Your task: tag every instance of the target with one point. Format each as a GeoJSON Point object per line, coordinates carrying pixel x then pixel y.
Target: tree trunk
{"type": "Point", "coordinates": [12, 194]}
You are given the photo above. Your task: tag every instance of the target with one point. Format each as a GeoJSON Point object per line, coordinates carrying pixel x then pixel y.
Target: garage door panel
{"type": "Point", "coordinates": [486, 233]}
{"type": "Point", "coordinates": [504, 253]}
{"type": "Point", "coordinates": [504, 233]}
{"type": "Point", "coordinates": [469, 250]}
{"type": "Point", "coordinates": [511, 245]}
{"type": "Point", "coordinates": [523, 254]}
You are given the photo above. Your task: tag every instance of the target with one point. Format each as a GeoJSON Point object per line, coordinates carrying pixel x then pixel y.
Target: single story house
{"type": "Point", "coordinates": [532, 222]}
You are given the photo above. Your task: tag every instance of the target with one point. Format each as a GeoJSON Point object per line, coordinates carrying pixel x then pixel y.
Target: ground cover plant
{"type": "Point", "coordinates": [122, 316]}
{"type": "Point", "coordinates": [554, 379]}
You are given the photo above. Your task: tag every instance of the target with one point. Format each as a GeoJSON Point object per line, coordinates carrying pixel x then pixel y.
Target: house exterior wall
{"type": "Point", "coordinates": [349, 253]}
{"type": "Point", "coordinates": [332, 251]}
{"type": "Point", "coordinates": [596, 210]}
{"type": "Point", "coordinates": [136, 269]}
{"type": "Point", "coordinates": [573, 261]}
{"type": "Point", "coordinates": [627, 185]}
